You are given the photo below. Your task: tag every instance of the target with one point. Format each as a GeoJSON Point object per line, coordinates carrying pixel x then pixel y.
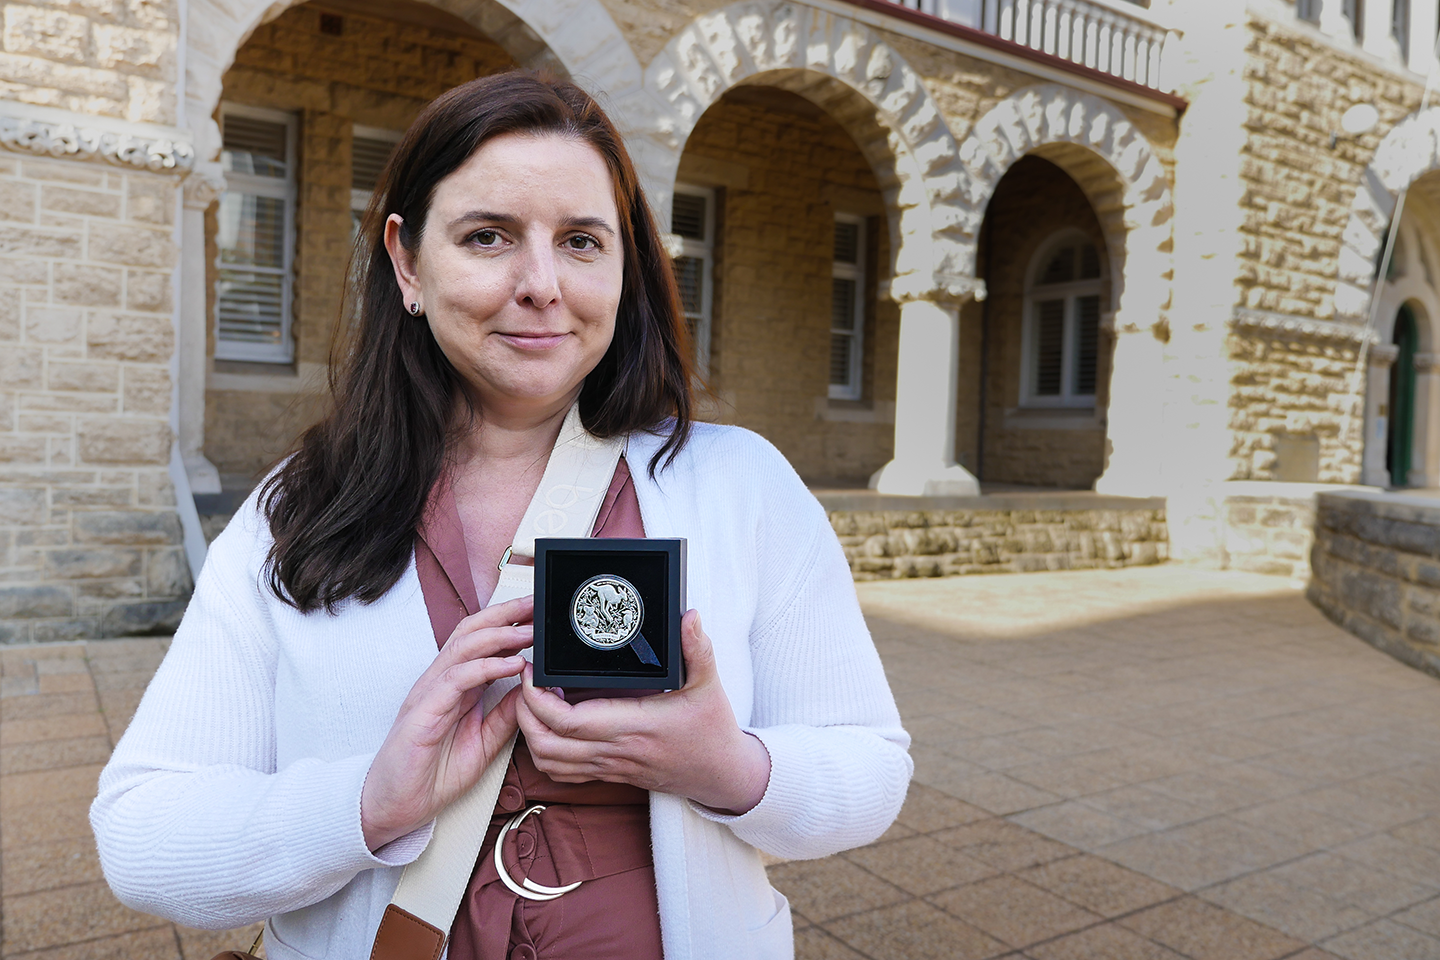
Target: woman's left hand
{"type": "Point", "coordinates": [684, 742]}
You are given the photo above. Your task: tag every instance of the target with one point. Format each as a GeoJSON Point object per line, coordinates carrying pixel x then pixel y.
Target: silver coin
{"type": "Point", "coordinates": [606, 612]}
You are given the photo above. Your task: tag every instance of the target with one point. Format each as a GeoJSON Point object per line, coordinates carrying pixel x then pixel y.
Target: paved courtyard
{"type": "Point", "coordinates": [1147, 764]}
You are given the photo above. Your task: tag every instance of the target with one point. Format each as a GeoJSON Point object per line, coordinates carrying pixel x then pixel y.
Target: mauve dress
{"type": "Point", "coordinates": [596, 832]}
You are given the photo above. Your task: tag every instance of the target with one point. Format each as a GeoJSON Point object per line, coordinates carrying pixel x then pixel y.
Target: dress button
{"type": "Point", "coordinates": [523, 952]}
{"type": "Point", "coordinates": [511, 799]}
{"type": "Point", "coordinates": [524, 844]}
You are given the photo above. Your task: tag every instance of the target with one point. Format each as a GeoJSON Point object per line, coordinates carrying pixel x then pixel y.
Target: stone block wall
{"type": "Point", "coordinates": [1291, 386]}
{"type": "Point", "coordinates": [1376, 564]}
{"type": "Point", "coordinates": [939, 537]}
{"type": "Point", "coordinates": [376, 73]}
{"type": "Point", "coordinates": [111, 58]}
{"type": "Point", "coordinates": [1269, 530]}
{"type": "Point", "coordinates": [783, 168]}
{"type": "Point", "coordinates": [90, 543]}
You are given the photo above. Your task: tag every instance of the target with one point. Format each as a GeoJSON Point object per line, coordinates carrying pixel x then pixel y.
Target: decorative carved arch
{"type": "Point", "coordinates": [1114, 165]}
{"type": "Point", "coordinates": [575, 37]}
{"type": "Point", "coordinates": [1409, 151]}
{"type": "Point", "coordinates": [839, 64]}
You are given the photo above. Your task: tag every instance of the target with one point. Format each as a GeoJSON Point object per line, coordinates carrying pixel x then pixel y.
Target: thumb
{"type": "Point", "coordinates": [695, 646]}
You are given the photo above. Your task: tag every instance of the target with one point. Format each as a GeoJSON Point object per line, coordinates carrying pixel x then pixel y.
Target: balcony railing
{"type": "Point", "coordinates": [1112, 36]}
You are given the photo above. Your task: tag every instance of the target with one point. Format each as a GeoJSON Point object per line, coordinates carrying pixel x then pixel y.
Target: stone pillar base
{"type": "Point", "coordinates": [925, 480]}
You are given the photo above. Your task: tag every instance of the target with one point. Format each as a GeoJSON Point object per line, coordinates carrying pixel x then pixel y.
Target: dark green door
{"type": "Point", "coordinates": [1399, 445]}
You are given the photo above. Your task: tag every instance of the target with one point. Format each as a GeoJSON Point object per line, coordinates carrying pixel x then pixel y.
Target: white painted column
{"type": "Point", "coordinates": [1135, 419]}
{"type": "Point", "coordinates": [201, 188]}
{"type": "Point", "coordinates": [1424, 24]}
{"type": "Point", "coordinates": [926, 394]}
{"type": "Point", "coordinates": [1425, 466]}
{"type": "Point", "coordinates": [1377, 414]}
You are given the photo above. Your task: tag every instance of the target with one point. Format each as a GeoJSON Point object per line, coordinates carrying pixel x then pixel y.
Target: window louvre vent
{"type": "Point", "coordinates": [690, 275]}
{"type": "Point", "coordinates": [367, 163]}
{"type": "Point", "coordinates": [688, 216]}
{"type": "Point", "coordinates": [842, 304]}
{"type": "Point", "coordinates": [847, 242]}
{"type": "Point", "coordinates": [254, 146]}
{"type": "Point", "coordinates": [840, 346]}
{"type": "Point", "coordinates": [1049, 346]}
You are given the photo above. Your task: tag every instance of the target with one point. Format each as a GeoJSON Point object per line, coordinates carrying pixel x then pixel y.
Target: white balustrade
{"type": "Point", "coordinates": [1112, 36]}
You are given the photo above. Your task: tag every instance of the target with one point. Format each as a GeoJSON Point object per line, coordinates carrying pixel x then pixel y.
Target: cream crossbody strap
{"type": "Point", "coordinates": [565, 505]}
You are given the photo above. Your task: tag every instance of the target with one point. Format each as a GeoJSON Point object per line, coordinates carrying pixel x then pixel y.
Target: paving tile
{"type": "Point", "coordinates": [1202, 931]}
{"type": "Point", "coordinates": [63, 727]}
{"type": "Point", "coordinates": [814, 943]}
{"type": "Point", "coordinates": [920, 865]}
{"type": "Point", "coordinates": [993, 753]}
{"type": "Point", "coordinates": [994, 792]}
{"type": "Point", "coordinates": [1105, 942]}
{"type": "Point", "coordinates": [1064, 776]}
{"type": "Point", "coordinates": [1355, 884]}
{"type": "Point", "coordinates": [1424, 917]}
{"type": "Point", "coordinates": [54, 754]}
{"type": "Point", "coordinates": [832, 887]}
{"type": "Point", "coordinates": [1078, 825]}
{"type": "Point", "coordinates": [1384, 940]}
{"type": "Point", "coordinates": [157, 943]}
{"type": "Point", "coordinates": [40, 823]}
{"type": "Point", "coordinates": [1298, 911]}
{"type": "Point", "coordinates": [915, 931]}
{"type": "Point", "coordinates": [76, 682]}
{"type": "Point", "coordinates": [55, 918]}
{"type": "Point", "coordinates": [48, 786]}
{"type": "Point", "coordinates": [1425, 832]}
{"type": "Point", "coordinates": [1199, 854]}
{"type": "Point", "coordinates": [47, 866]}
{"type": "Point", "coordinates": [1098, 885]}
{"type": "Point", "coordinates": [1392, 855]}
{"type": "Point", "coordinates": [1145, 807]}
{"type": "Point", "coordinates": [52, 705]}
{"type": "Point", "coordinates": [928, 809]}
{"type": "Point", "coordinates": [1311, 827]}
{"type": "Point", "coordinates": [1013, 911]}
{"type": "Point", "coordinates": [1003, 845]}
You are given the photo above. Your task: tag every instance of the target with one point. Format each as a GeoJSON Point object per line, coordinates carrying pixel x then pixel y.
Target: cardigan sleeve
{"type": "Point", "coordinates": [193, 821]}
{"type": "Point", "coordinates": [839, 756]}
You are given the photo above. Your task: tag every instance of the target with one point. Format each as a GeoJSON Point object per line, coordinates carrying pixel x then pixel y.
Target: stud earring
{"type": "Point", "coordinates": [414, 308]}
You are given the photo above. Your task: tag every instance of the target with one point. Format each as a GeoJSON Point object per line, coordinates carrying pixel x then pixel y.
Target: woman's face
{"type": "Point", "coordinates": [519, 270]}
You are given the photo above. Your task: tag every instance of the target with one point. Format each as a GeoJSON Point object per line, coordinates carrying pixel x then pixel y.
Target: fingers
{"type": "Point", "coordinates": [695, 646]}
{"type": "Point", "coordinates": [501, 641]}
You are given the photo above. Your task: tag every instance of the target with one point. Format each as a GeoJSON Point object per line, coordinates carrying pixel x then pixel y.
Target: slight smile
{"type": "Point", "coordinates": [533, 341]}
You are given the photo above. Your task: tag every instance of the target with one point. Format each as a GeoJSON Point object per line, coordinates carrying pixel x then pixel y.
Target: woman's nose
{"type": "Point", "coordinates": [538, 282]}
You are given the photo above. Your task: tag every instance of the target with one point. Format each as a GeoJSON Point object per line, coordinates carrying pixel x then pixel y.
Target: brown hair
{"type": "Point", "coordinates": [343, 509]}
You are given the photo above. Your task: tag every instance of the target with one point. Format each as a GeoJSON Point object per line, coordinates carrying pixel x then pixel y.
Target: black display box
{"type": "Point", "coordinates": [607, 613]}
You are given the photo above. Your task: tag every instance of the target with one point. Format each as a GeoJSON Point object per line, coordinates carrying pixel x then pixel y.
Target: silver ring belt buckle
{"type": "Point", "coordinates": [526, 888]}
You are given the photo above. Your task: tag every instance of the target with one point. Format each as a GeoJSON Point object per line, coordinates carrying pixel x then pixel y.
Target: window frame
{"type": "Point", "coordinates": [360, 199]}
{"type": "Point", "coordinates": [854, 387]}
{"type": "Point", "coordinates": [287, 191]}
{"type": "Point", "coordinates": [704, 251]}
{"type": "Point", "coordinates": [1071, 293]}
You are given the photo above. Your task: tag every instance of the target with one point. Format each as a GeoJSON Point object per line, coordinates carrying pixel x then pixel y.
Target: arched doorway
{"type": "Point", "coordinates": [1042, 359]}
{"type": "Point", "coordinates": [1400, 433]}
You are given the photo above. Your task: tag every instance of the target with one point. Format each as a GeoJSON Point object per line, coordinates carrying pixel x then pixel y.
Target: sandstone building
{"type": "Point", "coordinates": [1084, 245]}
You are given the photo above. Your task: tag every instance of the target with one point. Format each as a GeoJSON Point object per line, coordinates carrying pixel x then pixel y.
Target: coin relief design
{"type": "Point", "coordinates": [606, 612]}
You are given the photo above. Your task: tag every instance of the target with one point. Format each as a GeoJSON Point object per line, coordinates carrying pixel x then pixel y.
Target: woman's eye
{"type": "Point", "coordinates": [583, 242]}
{"type": "Point", "coordinates": [485, 238]}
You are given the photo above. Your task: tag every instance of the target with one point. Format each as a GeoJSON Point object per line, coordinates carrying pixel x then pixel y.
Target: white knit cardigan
{"type": "Point", "coordinates": [235, 793]}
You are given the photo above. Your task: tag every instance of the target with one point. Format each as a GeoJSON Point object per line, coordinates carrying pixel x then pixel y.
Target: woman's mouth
{"type": "Point", "coordinates": [533, 341]}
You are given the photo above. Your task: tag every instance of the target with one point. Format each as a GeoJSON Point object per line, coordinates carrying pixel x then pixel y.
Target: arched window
{"type": "Point", "coordinates": [1061, 339]}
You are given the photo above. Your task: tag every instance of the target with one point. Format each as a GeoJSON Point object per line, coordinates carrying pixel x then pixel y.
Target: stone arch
{"type": "Point", "coordinates": [1113, 163]}
{"type": "Point", "coordinates": [845, 68]}
{"type": "Point", "coordinates": [1409, 151]}
{"type": "Point", "coordinates": [577, 38]}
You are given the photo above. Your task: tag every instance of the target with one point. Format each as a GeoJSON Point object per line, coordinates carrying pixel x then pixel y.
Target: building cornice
{"type": "Point", "coordinates": [1265, 323]}
{"type": "Point", "coordinates": [51, 132]}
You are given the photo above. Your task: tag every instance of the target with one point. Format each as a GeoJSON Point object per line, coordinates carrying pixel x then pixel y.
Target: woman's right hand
{"type": "Point", "coordinates": [440, 743]}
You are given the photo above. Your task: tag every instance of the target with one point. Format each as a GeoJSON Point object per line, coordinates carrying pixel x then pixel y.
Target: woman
{"type": "Point", "coordinates": [302, 735]}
